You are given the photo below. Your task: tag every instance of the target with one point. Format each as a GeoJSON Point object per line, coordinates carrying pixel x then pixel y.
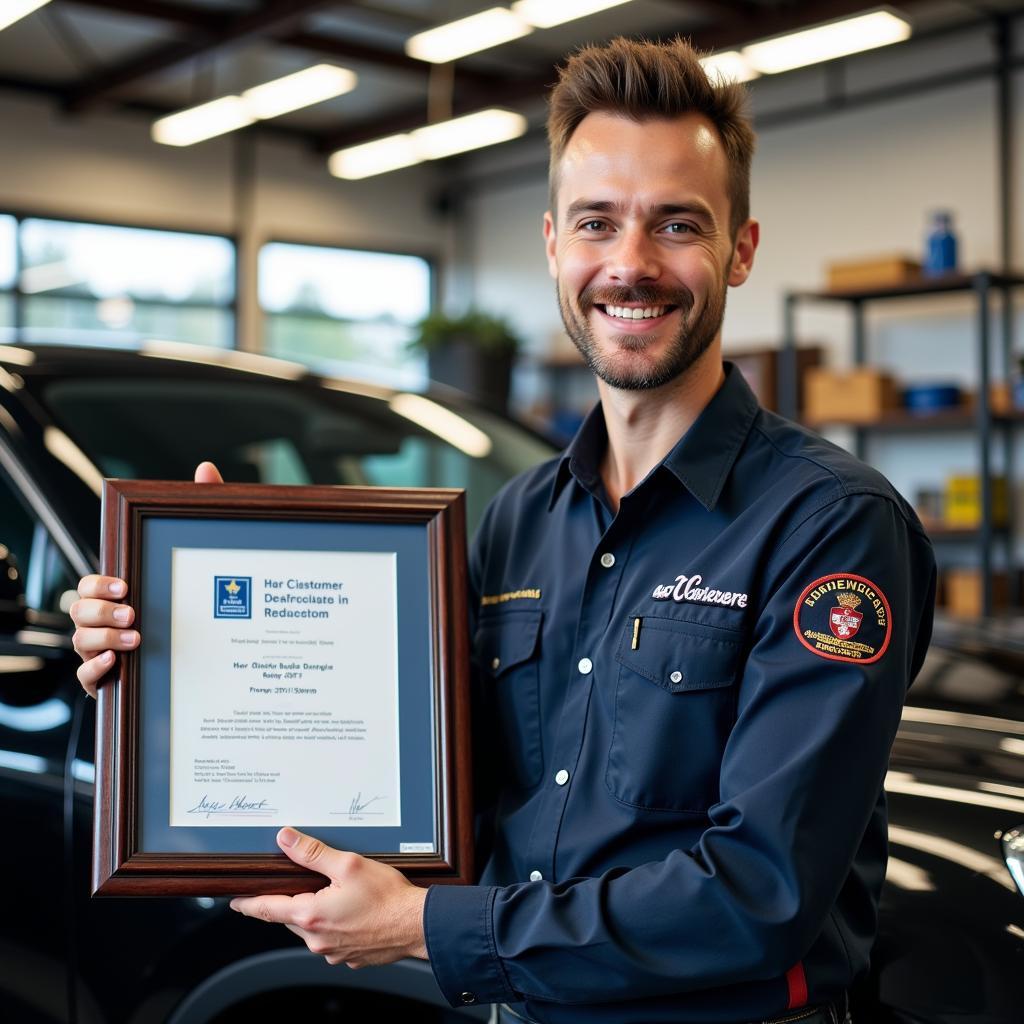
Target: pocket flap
{"type": "Point", "coordinates": [506, 640]}
{"type": "Point", "coordinates": [680, 656]}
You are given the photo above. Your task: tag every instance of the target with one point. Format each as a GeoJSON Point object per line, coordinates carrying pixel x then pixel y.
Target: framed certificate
{"type": "Point", "coordinates": [304, 662]}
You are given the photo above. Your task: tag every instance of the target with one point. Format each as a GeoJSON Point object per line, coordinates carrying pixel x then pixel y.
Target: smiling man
{"type": "Point", "coordinates": [692, 634]}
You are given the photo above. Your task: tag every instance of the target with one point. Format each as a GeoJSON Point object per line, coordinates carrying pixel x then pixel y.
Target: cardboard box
{"type": "Point", "coordinates": [875, 272]}
{"type": "Point", "coordinates": [962, 590]}
{"type": "Point", "coordinates": [852, 396]}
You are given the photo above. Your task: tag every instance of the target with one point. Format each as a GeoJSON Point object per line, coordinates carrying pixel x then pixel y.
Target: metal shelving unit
{"type": "Point", "coordinates": [981, 286]}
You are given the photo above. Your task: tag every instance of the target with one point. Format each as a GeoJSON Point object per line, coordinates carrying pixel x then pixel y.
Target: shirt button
{"type": "Point", "coordinates": [607, 559]}
{"type": "Point", "coordinates": [535, 876]}
{"type": "Point", "coordinates": [496, 663]}
{"type": "Point", "coordinates": [676, 677]}
{"type": "Point", "coordinates": [585, 666]}
{"type": "Point", "coordinates": [562, 777]}
{"type": "Point", "coordinates": [468, 997]}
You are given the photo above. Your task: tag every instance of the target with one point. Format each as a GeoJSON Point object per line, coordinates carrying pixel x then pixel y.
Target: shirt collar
{"type": "Point", "coordinates": [701, 458]}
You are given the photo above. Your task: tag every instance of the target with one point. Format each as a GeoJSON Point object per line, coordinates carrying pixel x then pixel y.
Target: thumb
{"type": "Point", "coordinates": [312, 853]}
{"type": "Point", "coordinates": [208, 473]}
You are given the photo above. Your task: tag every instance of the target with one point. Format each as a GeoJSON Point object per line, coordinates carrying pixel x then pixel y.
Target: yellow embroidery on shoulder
{"type": "Point", "coordinates": [511, 595]}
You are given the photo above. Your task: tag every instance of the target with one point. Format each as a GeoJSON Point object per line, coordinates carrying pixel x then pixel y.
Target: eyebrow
{"type": "Point", "coordinates": [694, 208]}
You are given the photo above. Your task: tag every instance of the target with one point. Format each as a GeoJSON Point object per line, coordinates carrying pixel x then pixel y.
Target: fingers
{"type": "Point", "coordinates": [208, 473]}
{"type": "Point", "coordinates": [93, 670]}
{"type": "Point", "coordinates": [90, 642]}
{"type": "Point", "coordinates": [317, 856]}
{"type": "Point", "coordinates": [102, 587]}
{"type": "Point", "coordinates": [90, 611]}
{"type": "Point", "coordinates": [266, 908]}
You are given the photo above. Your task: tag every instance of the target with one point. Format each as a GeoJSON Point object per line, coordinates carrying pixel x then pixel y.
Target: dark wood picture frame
{"type": "Point", "coordinates": [120, 866]}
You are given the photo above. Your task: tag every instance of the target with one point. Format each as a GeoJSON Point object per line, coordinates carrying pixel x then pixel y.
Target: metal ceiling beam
{"type": "Point", "coordinates": [734, 32]}
{"type": "Point", "coordinates": [214, 20]}
{"type": "Point", "coordinates": [208, 19]}
{"type": "Point", "coordinates": [274, 17]}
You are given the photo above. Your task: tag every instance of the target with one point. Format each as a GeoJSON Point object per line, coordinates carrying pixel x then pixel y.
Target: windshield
{"type": "Point", "coordinates": [285, 432]}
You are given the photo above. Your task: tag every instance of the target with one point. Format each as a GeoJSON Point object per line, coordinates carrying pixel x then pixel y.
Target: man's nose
{"type": "Point", "coordinates": [633, 259]}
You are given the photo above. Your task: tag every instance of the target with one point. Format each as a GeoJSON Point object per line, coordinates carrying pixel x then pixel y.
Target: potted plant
{"type": "Point", "coordinates": [473, 352]}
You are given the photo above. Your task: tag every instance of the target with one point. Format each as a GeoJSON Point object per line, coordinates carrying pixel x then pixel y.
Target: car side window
{"type": "Point", "coordinates": [50, 586]}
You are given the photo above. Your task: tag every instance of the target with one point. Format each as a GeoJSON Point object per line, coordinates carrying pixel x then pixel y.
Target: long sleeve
{"type": "Point", "coordinates": [818, 692]}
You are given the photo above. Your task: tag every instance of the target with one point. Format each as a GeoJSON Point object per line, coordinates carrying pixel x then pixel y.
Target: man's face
{"type": "Point", "coordinates": [641, 253]}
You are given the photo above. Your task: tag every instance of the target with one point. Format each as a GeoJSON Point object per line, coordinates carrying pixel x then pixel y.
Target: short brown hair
{"type": "Point", "coordinates": [643, 80]}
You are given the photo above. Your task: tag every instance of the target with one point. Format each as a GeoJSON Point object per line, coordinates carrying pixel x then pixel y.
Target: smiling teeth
{"type": "Point", "coordinates": [625, 313]}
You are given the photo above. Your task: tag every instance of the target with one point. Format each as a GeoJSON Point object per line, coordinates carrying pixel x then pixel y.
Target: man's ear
{"type": "Point", "coordinates": [743, 251]}
{"type": "Point", "coordinates": [550, 243]}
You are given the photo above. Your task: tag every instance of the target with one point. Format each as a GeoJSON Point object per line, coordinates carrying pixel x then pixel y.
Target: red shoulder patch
{"type": "Point", "coordinates": [843, 617]}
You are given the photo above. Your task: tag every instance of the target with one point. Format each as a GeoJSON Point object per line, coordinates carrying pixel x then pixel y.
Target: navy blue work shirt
{"type": "Point", "coordinates": [684, 712]}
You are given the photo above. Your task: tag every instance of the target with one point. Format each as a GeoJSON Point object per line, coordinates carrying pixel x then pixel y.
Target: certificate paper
{"type": "Point", "coordinates": [284, 688]}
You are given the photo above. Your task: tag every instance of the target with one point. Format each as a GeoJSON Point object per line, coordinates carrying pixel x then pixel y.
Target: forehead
{"type": "Point", "coordinates": [659, 159]}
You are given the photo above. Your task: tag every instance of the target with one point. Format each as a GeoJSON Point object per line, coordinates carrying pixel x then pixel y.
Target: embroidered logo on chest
{"type": "Point", "coordinates": [843, 617]}
{"type": "Point", "coordinates": [693, 590]}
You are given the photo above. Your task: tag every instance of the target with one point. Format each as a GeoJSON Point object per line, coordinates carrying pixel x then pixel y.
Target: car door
{"type": "Point", "coordinates": [38, 699]}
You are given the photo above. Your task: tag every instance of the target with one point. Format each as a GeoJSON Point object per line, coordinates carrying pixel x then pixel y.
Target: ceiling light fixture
{"type": "Point", "coordinates": [187, 127]}
{"type": "Point", "coordinates": [260, 103]}
{"type": "Point", "coordinates": [432, 142]}
{"type": "Point", "coordinates": [545, 13]}
{"type": "Point", "coordinates": [302, 89]}
{"type": "Point", "coordinates": [729, 65]}
{"type": "Point", "coordinates": [827, 42]}
{"type": "Point", "coordinates": [472, 131]}
{"type": "Point", "coordinates": [14, 10]}
{"type": "Point", "coordinates": [467, 35]}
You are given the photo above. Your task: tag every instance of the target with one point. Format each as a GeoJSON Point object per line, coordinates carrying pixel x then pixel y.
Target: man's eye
{"type": "Point", "coordinates": [677, 228]}
{"type": "Point", "coordinates": [594, 225]}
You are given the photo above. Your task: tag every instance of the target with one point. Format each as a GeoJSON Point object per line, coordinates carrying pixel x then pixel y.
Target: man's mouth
{"type": "Point", "coordinates": [634, 312]}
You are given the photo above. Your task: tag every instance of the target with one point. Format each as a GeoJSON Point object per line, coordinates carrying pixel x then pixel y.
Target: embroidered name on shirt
{"type": "Point", "coordinates": [835, 609]}
{"type": "Point", "coordinates": [511, 595]}
{"type": "Point", "coordinates": [691, 588]}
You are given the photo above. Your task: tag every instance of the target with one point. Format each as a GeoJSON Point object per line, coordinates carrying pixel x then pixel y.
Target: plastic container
{"type": "Point", "coordinates": [940, 256]}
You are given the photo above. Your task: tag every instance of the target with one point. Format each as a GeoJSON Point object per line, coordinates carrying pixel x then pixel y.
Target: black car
{"type": "Point", "coordinates": [951, 942]}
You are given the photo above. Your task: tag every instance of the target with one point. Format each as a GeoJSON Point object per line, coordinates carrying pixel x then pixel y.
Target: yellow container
{"type": "Point", "coordinates": [962, 505]}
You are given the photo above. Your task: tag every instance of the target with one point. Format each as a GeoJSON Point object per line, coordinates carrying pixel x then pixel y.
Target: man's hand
{"type": "Point", "coordinates": [368, 914]}
{"type": "Point", "coordinates": [102, 624]}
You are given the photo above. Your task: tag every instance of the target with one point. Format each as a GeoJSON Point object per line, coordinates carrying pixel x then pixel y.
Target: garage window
{"type": "Point", "coordinates": [102, 284]}
{"type": "Point", "coordinates": [344, 310]}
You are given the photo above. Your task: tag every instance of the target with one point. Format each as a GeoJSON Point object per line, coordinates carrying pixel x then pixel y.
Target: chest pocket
{"type": "Point", "coordinates": [674, 706]}
{"type": "Point", "coordinates": [507, 649]}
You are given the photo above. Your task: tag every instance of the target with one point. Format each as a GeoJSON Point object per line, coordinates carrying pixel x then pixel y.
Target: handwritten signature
{"type": "Point", "coordinates": [357, 803]}
{"type": "Point", "coordinates": [240, 803]}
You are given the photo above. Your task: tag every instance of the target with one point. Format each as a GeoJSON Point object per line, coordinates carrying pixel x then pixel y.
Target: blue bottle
{"type": "Point", "coordinates": [940, 251]}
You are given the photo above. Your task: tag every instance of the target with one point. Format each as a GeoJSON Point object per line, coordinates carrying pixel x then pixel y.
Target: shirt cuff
{"type": "Point", "coordinates": [459, 932]}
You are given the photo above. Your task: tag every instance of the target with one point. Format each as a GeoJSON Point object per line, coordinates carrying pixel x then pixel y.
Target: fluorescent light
{"type": "Point", "coordinates": [730, 65]}
{"type": "Point", "coordinates": [826, 42]}
{"type": "Point", "coordinates": [196, 124]}
{"type": "Point", "coordinates": [443, 423]}
{"type": "Point", "coordinates": [378, 157]}
{"type": "Point", "coordinates": [432, 142]}
{"type": "Point", "coordinates": [484, 128]}
{"type": "Point", "coordinates": [467, 35]}
{"type": "Point", "coordinates": [302, 89]}
{"type": "Point", "coordinates": [545, 13]}
{"type": "Point", "coordinates": [14, 10]}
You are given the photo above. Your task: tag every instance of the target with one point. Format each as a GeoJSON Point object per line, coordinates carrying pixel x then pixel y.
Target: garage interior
{"type": "Point", "coordinates": [247, 241]}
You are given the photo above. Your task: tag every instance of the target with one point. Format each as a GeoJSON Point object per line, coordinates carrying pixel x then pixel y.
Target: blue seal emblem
{"type": "Point", "coordinates": [232, 597]}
